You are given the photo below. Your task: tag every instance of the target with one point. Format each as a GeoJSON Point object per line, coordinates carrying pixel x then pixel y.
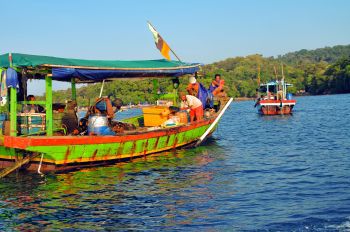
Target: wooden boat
{"type": "Point", "coordinates": [44, 151]}
{"type": "Point", "coordinates": [274, 99]}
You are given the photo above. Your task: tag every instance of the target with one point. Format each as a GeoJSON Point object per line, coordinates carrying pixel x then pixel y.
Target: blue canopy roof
{"type": "Point", "coordinates": [63, 69]}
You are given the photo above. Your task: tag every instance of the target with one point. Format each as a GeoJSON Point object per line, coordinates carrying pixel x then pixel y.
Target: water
{"type": "Point", "coordinates": [289, 173]}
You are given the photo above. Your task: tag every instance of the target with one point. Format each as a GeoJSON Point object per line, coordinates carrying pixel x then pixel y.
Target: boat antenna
{"type": "Point", "coordinates": [258, 81]}
{"type": "Point", "coordinates": [283, 84]}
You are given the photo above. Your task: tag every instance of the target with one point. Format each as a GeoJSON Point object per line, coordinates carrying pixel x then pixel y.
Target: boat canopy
{"type": "Point", "coordinates": [274, 83]}
{"type": "Point", "coordinates": [84, 71]}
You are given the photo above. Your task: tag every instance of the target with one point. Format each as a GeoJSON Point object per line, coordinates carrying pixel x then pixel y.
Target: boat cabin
{"type": "Point", "coordinates": [33, 140]}
{"type": "Point", "coordinates": [17, 69]}
{"type": "Point", "coordinates": [274, 90]}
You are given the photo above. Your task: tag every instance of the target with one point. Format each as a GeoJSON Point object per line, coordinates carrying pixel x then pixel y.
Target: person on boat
{"type": "Point", "coordinates": [217, 85]}
{"type": "Point", "coordinates": [271, 96]}
{"type": "Point", "coordinates": [70, 119]}
{"type": "Point", "coordinates": [198, 90]}
{"type": "Point", "coordinates": [193, 104]}
{"type": "Point", "coordinates": [258, 100]}
{"type": "Point", "coordinates": [32, 108]}
{"type": "Point", "coordinates": [102, 106]}
{"type": "Point", "coordinates": [193, 86]}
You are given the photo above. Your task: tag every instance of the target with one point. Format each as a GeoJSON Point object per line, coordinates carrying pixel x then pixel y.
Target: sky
{"type": "Point", "coordinates": [198, 31]}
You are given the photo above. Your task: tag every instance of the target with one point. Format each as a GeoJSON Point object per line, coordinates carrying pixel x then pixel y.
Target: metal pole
{"type": "Point", "coordinates": [103, 83]}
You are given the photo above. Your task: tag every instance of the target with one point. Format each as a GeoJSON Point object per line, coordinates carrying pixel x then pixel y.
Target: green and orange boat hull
{"type": "Point", "coordinates": [62, 153]}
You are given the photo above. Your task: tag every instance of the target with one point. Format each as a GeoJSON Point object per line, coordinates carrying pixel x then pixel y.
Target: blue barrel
{"type": "Point", "coordinates": [289, 96]}
{"type": "Point", "coordinates": [98, 125]}
{"type": "Point", "coordinates": [3, 117]}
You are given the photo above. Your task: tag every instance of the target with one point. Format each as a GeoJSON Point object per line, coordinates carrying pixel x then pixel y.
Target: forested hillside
{"type": "Point", "coordinates": [320, 71]}
{"type": "Point", "coordinates": [327, 54]}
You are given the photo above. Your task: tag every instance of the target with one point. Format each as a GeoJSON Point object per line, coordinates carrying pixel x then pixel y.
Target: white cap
{"type": "Point", "coordinates": [192, 80]}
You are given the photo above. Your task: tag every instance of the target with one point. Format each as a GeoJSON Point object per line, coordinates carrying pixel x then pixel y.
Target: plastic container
{"type": "Point", "coordinates": [98, 125]}
{"type": "Point", "coordinates": [155, 115]}
{"type": "Point", "coordinates": [289, 96]}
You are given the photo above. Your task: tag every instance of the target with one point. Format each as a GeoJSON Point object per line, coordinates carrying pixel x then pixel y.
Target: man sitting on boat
{"type": "Point", "coordinates": [32, 108]}
{"type": "Point", "coordinates": [104, 107]}
{"type": "Point", "coordinates": [194, 105]}
{"type": "Point", "coordinates": [217, 86]}
{"type": "Point", "coordinates": [70, 119]}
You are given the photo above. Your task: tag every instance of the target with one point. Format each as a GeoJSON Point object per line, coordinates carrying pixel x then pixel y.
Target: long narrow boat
{"type": "Point", "coordinates": [274, 99]}
{"type": "Point", "coordinates": [46, 151]}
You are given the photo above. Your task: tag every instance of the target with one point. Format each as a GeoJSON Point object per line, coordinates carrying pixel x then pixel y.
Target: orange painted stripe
{"type": "Point", "coordinates": [24, 142]}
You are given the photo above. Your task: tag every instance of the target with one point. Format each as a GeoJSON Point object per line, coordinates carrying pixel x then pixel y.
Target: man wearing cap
{"type": "Point", "coordinates": [193, 86]}
{"type": "Point", "coordinates": [193, 104]}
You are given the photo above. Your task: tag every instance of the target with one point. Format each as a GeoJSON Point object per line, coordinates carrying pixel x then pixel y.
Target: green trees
{"type": "Point", "coordinates": [320, 71]}
{"type": "Point", "coordinates": [338, 76]}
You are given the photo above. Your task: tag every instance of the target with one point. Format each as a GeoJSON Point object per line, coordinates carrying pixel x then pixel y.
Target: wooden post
{"type": "Point", "coordinates": [49, 122]}
{"type": "Point", "coordinates": [13, 111]}
{"type": "Point", "coordinates": [13, 105]}
{"type": "Point", "coordinates": [74, 90]}
{"type": "Point", "coordinates": [175, 97]}
{"type": "Point", "coordinates": [155, 88]}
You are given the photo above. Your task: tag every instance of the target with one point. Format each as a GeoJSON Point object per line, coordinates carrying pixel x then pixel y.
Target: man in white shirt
{"type": "Point", "coordinates": [194, 105]}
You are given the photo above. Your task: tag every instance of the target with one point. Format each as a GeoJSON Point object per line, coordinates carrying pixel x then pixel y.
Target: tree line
{"type": "Point", "coordinates": [320, 71]}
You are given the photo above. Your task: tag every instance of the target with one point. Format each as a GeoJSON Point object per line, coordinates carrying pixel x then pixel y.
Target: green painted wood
{"type": "Point", "coordinates": [74, 90]}
{"type": "Point", "coordinates": [13, 112]}
{"type": "Point", "coordinates": [110, 151]}
{"type": "Point", "coordinates": [32, 102]}
{"type": "Point", "coordinates": [49, 118]}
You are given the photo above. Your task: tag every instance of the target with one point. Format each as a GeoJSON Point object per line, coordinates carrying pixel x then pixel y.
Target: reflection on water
{"type": "Point", "coordinates": [124, 195]}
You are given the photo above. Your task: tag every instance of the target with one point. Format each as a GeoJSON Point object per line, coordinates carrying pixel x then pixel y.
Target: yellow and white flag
{"type": "Point", "coordinates": [162, 46]}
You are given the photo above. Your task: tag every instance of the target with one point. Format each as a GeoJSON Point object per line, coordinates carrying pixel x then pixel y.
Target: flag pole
{"type": "Point", "coordinates": [168, 44]}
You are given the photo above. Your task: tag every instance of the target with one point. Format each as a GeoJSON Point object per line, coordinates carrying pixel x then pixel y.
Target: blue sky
{"type": "Point", "coordinates": [198, 31]}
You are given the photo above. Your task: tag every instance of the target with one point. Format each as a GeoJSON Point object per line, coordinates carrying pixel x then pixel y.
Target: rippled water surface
{"type": "Point", "coordinates": [277, 173]}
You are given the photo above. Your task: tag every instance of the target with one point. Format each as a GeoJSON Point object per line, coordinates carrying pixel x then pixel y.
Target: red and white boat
{"type": "Point", "coordinates": [274, 99]}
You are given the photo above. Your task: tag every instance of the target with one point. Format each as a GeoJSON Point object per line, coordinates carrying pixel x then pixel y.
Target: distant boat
{"type": "Point", "coordinates": [274, 99]}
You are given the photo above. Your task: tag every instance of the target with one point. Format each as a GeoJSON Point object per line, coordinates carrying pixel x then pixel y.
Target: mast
{"type": "Point", "coordinates": [283, 85]}
{"type": "Point", "coordinates": [258, 80]}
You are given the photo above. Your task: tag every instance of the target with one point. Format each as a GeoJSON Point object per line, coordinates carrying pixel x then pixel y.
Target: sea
{"type": "Point", "coordinates": [256, 173]}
